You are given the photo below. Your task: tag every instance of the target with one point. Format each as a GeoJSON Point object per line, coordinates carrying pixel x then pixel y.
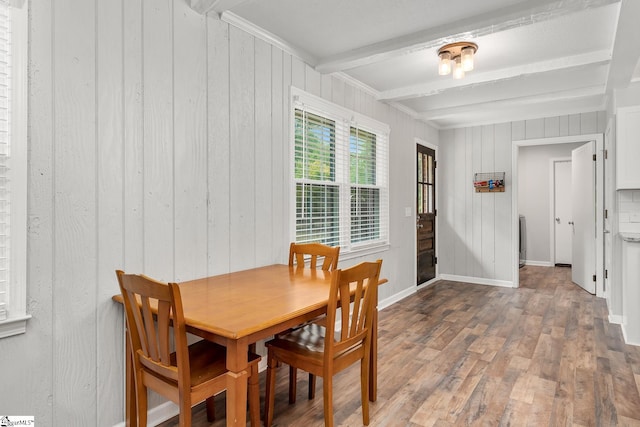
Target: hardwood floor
{"type": "Point", "coordinates": [458, 354]}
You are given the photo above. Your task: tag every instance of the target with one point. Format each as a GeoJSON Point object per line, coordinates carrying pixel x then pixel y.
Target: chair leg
{"type": "Point", "coordinates": [312, 386]}
{"type": "Point", "coordinates": [364, 388]}
{"type": "Point", "coordinates": [270, 390]}
{"type": "Point", "coordinates": [211, 408]}
{"type": "Point", "coordinates": [141, 399]}
{"type": "Point", "coordinates": [293, 383]}
{"type": "Point", "coordinates": [254, 396]}
{"type": "Point", "coordinates": [327, 391]}
{"type": "Point", "coordinates": [185, 417]}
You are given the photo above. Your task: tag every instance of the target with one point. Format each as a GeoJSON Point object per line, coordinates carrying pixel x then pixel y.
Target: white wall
{"type": "Point", "coordinates": [158, 143]}
{"type": "Point", "coordinates": [629, 210]}
{"type": "Point", "coordinates": [476, 239]}
{"type": "Point", "coordinates": [534, 200]}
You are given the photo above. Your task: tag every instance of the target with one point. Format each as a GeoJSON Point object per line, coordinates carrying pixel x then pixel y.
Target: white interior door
{"type": "Point", "coordinates": [562, 212]}
{"type": "Point", "coordinates": [583, 181]}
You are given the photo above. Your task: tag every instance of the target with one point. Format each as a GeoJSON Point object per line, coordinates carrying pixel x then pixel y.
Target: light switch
{"type": "Point", "coordinates": [634, 217]}
{"type": "Point", "coordinates": [407, 211]}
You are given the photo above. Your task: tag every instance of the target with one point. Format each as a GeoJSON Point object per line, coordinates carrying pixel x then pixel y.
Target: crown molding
{"type": "Point", "coordinates": [357, 84]}
{"type": "Point", "coordinates": [258, 32]}
{"type": "Point", "coordinates": [217, 6]}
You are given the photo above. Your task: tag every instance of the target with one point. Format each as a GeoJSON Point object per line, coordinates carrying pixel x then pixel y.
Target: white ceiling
{"type": "Point", "coordinates": [535, 59]}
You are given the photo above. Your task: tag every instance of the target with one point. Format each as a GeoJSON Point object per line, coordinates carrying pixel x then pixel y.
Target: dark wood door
{"type": "Point", "coordinates": [426, 214]}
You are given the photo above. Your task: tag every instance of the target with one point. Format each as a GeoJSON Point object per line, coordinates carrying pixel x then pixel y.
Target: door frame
{"type": "Point", "coordinates": [515, 148]}
{"type": "Point", "coordinates": [552, 206]}
{"type": "Point", "coordinates": [433, 147]}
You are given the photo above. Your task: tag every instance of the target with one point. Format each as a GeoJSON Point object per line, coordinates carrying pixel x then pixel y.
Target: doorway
{"type": "Point", "coordinates": [425, 214]}
{"type": "Point", "coordinates": [595, 204]}
{"type": "Point", "coordinates": [561, 224]}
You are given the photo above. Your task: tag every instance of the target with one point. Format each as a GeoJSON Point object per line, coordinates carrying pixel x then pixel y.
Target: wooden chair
{"type": "Point", "coordinates": [316, 252]}
{"type": "Point", "coordinates": [323, 351]}
{"type": "Point", "coordinates": [328, 257]}
{"type": "Point", "coordinates": [187, 376]}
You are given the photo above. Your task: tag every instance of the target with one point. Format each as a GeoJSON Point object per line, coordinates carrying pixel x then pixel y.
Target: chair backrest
{"type": "Point", "coordinates": [316, 251]}
{"type": "Point", "coordinates": [150, 341]}
{"type": "Point", "coordinates": [354, 287]}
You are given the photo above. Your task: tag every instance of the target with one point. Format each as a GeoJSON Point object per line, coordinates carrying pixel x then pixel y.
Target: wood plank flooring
{"type": "Point", "coordinates": [459, 354]}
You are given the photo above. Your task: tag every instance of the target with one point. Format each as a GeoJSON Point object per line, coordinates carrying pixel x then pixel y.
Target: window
{"type": "Point", "coordinates": [340, 175]}
{"type": "Point", "coordinates": [13, 167]}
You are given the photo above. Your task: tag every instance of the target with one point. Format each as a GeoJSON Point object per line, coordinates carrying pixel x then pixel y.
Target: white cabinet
{"type": "Point", "coordinates": [631, 287]}
{"type": "Point", "coordinates": [628, 148]}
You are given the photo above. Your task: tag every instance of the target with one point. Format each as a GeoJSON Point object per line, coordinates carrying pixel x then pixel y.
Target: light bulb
{"type": "Point", "coordinates": [444, 67]}
{"type": "Point", "coordinates": [458, 71]}
{"type": "Point", "coordinates": [467, 58]}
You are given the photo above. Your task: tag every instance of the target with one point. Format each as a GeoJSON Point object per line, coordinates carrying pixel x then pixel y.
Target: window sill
{"type": "Point", "coordinates": [361, 252]}
{"type": "Point", "coordinates": [14, 326]}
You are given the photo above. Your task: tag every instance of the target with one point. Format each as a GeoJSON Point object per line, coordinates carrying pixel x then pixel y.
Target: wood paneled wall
{"type": "Point", "coordinates": [158, 144]}
{"type": "Point", "coordinates": [475, 228]}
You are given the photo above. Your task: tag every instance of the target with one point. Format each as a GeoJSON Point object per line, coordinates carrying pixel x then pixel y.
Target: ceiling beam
{"type": "Point", "coordinates": [415, 91]}
{"type": "Point", "coordinates": [626, 49]}
{"type": "Point", "coordinates": [217, 6]}
{"type": "Point", "coordinates": [558, 96]}
{"type": "Point", "coordinates": [514, 16]}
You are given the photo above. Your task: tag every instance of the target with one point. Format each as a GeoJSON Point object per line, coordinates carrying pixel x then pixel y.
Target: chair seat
{"type": "Point", "coordinates": [306, 342]}
{"type": "Point", "coordinates": [208, 360]}
{"type": "Point", "coordinates": [308, 339]}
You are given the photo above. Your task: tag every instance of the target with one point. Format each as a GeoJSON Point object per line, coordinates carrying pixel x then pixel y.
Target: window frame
{"type": "Point", "coordinates": [344, 119]}
{"type": "Point", "coordinates": [16, 322]}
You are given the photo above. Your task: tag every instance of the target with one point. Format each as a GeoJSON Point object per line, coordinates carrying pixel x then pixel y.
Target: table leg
{"type": "Point", "coordinates": [373, 366]}
{"type": "Point", "coordinates": [237, 364]}
{"type": "Point", "coordinates": [131, 410]}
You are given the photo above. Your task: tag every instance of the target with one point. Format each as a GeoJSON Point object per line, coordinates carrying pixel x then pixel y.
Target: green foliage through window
{"type": "Point", "coordinates": [362, 156]}
{"type": "Point", "coordinates": [315, 147]}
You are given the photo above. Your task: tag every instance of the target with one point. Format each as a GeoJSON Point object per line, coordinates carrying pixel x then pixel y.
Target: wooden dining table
{"type": "Point", "coordinates": [241, 308]}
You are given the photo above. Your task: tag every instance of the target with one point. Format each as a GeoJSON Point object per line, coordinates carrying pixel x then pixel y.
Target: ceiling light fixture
{"type": "Point", "coordinates": [456, 57]}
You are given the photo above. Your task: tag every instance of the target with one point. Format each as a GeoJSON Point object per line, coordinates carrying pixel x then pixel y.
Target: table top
{"type": "Point", "coordinates": [256, 301]}
{"type": "Point", "coordinates": [242, 303]}
{"type": "Point", "coordinates": [253, 303]}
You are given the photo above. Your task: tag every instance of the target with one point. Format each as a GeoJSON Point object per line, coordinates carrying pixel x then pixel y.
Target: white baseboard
{"type": "Point", "coordinates": [477, 280]}
{"type": "Point", "coordinates": [626, 339]}
{"type": "Point", "coordinates": [162, 413]}
{"type": "Point", "coordinates": [539, 263]}
{"type": "Point", "coordinates": [425, 285]}
{"type": "Point", "coordinates": [159, 414]}
{"type": "Point", "coordinates": [396, 297]}
{"type": "Point", "coordinates": [615, 319]}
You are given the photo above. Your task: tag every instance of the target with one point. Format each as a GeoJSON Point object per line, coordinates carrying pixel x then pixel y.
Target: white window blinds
{"type": "Point", "coordinates": [5, 117]}
{"type": "Point", "coordinates": [340, 175]}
